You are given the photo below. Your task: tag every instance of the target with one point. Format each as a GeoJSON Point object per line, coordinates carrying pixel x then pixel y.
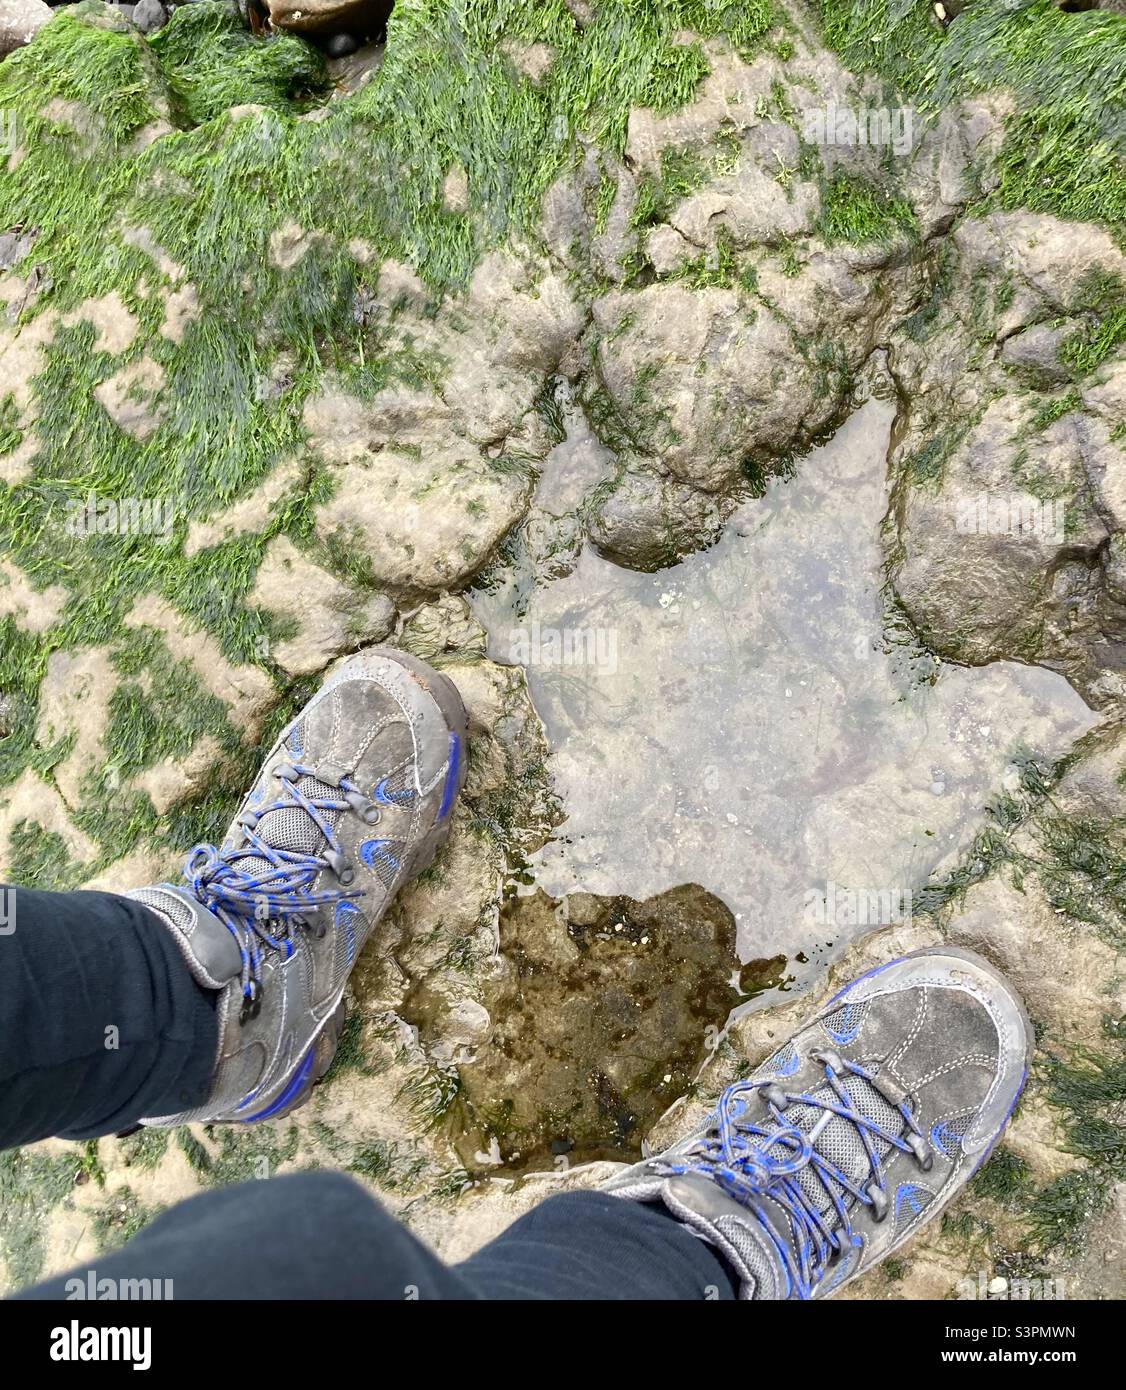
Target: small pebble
{"type": "Point", "coordinates": [340, 45]}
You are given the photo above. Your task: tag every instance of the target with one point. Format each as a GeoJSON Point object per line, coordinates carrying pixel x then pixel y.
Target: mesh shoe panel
{"type": "Point", "coordinates": [839, 1142]}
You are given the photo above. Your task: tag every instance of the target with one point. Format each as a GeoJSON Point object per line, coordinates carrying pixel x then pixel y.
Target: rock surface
{"type": "Point", "coordinates": [367, 17]}
{"type": "Point", "coordinates": [20, 21]}
{"type": "Point", "coordinates": [329, 616]}
{"type": "Point", "coordinates": [1007, 506]}
{"type": "Point", "coordinates": [149, 16]}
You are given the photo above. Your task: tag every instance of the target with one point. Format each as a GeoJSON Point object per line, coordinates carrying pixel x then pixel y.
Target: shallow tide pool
{"type": "Point", "coordinates": [745, 720]}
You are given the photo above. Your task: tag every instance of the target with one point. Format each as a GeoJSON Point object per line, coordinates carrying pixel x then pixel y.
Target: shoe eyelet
{"type": "Point", "coordinates": [363, 806]}
{"type": "Point", "coordinates": [879, 1199]}
{"type": "Point", "coordinates": [919, 1147]}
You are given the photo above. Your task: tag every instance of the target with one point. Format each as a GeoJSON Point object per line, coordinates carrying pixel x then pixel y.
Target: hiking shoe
{"type": "Point", "coordinates": [856, 1132]}
{"type": "Point", "coordinates": [352, 802]}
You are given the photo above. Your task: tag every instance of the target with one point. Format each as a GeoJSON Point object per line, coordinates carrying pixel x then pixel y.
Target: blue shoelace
{"type": "Point", "coordinates": [751, 1161]}
{"type": "Point", "coordinates": [262, 907]}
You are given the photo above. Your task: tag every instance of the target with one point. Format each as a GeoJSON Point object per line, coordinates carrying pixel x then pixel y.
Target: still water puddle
{"type": "Point", "coordinates": [743, 721]}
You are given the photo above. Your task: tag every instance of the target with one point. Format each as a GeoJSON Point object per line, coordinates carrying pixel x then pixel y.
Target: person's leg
{"type": "Point", "coordinates": [101, 1021]}
{"type": "Point", "coordinates": [589, 1245]}
{"type": "Point", "coordinates": [320, 1235]}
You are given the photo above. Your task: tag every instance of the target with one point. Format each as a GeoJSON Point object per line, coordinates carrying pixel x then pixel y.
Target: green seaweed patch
{"type": "Point", "coordinates": [927, 463]}
{"type": "Point", "coordinates": [11, 436]}
{"type": "Point", "coordinates": [144, 1149]}
{"type": "Point", "coordinates": [1101, 303]}
{"type": "Point", "coordinates": [856, 211]}
{"type": "Point", "coordinates": [383, 1162]}
{"type": "Point", "coordinates": [31, 1185]}
{"type": "Point", "coordinates": [164, 717]}
{"type": "Point", "coordinates": [1004, 1179]}
{"type": "Point", "coordinates": [430, 1092]}
{"type": "Point", "coordinates": [212, 62]}
{"type": "Point", "coordinates": [681, 173]}
{"type": "Point", "coordinates": [240, 1155]}
{"type": "Point", "coordinates": [1051, 411]}
{"type": "Point", "coordinates": [1066, 71]}
{"type": "Point", "coordinates": [43, 857]}
{"type": "Point", "coordinates": [992, 847]}
{"type": "Point", "coordinates": [1082, 870]}
{"type": "Point", "coordinates": [351, 1054]}
{"type": "Point", "coordinates": [921, 323]}
{"type": "Point", "coordinates": [1090, 1091]}
{"type": "Point", "coordinates": [119, 1218]}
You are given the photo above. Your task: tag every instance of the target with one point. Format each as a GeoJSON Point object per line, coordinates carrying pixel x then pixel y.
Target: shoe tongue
{"type": "Point", "coordinates": [292, 828]}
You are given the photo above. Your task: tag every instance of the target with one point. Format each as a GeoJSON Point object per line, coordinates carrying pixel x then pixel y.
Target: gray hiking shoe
{"type": "Point", "coordinates": [353, 800]}
{"type": "Point", "coordinates": [854, 1133]}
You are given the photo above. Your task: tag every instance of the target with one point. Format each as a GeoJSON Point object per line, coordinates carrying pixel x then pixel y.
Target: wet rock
{"type": "Point", "coordinates": [34, 610]}
{"type": "Point", "coordinates": [1007, 504]}
{"type": "Point", "coordinates": [455, 190]}
{"type": "Point", "coordinates": [645, 522]}
{"type": "Point", "coordinates": [115, 326]}
{"type": "Point", "coordinates": [668, 249]}
{"type": "Point", "coordinates": [247, 690]}
{"type": "Point", "coordinates": [367, 17]}
{"type": "Point", "coordinates": [20, 21]}
{"type": "Point", "coordinates": [1036, 350]}
{"type": "Point", "coordinates": [955, 161]}
{"type": "Point", "coordinates": [751, 205]}
{"type": "Point", "coordinates": [533, 60]}
{"type": "Point", "coordinates": [150, 15]}
{"type": "Point", "coordinates": [428, 482]}
{"type": "Point", "coordinates": [340, 45]}
{"type": "Point", "coordinates": [74, 713]}
{"type": "Point", "coordinates": [717, 389]}
{"type": "Point", "coordinates": [249, 513]}
{"type": "Point", "coordinates": [984, 544]}
{"type": "Point", "coordinates": [33, 800]}
{"type": "Point", "coordinates": [131, 398]}
{"type": "Point", "coordinates": [422, 523]}
{"type": "Point", "coordinates": [329, 617]}
{"type": "Point", "coordinates": [443, 632]}
{"type": "Point", "coordinates": [174, 780]}
{"type": "Point", "coordinates": [14, 246]}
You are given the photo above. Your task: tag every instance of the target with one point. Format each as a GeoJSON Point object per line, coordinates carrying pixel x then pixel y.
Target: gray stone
{"type": "Point", "coordinates": [20, 21]}
{"type": "Point", "coordinates": [1036, 352]}
{"type": "Point", "coordinates": [14, 246]}
{"type": "Point", "coordinates": [1007, 515]}
{"type": "Point", "coordinates": [341, 45]}
{"type": "Point", "coordinates": [329, 617]}
{"type": "Point", "coordinates": [149, 16]}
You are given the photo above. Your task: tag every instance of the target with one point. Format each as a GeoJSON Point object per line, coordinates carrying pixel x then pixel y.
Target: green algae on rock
{"type": "Point", "coordinates": [601, 1015]}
